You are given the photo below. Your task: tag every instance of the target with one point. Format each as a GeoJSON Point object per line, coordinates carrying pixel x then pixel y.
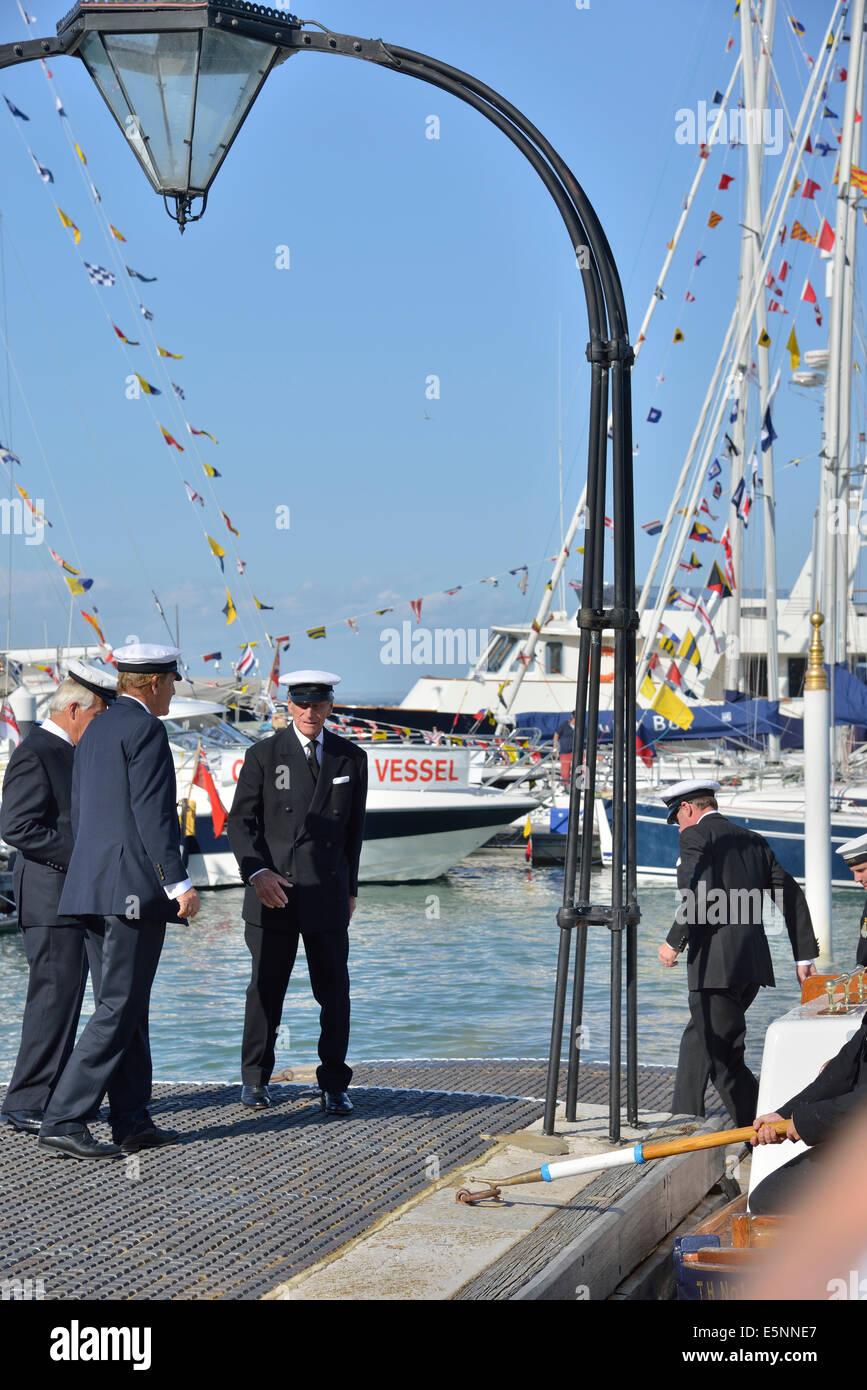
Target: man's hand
{"type": "Point", "coordinates": [268, 888]}
{"type": "Point", "coordinates": [667, 954]}
{"type": "Point", "coordinates": [353, 903]}
{"type": "Point", "coordinates": [188, 903]}
{"type": "Point", "coordinates": [766, 1134]}
{"type": "Point", "coordinates": [805, 971]}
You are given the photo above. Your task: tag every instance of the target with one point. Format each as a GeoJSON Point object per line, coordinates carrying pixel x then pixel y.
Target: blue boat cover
{"type": "Point", "coordinates": [743, 720]}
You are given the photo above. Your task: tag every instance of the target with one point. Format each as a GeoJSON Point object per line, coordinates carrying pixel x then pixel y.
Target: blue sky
{"type": "Point", "coordinates": [408, 257]}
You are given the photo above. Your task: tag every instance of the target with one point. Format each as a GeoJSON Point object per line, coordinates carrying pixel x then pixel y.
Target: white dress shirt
{"type": "Point", "coordinates": [303, 740]}
{"type": "Point", "coordinates": [51, 728]}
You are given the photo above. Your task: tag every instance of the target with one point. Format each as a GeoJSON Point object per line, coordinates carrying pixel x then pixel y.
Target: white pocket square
{"type": "Point", "coordinates": [337, 780]}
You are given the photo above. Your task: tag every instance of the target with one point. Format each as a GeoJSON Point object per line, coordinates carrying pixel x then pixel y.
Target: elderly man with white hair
{"type": "Point", "coordinates": [35, 820]}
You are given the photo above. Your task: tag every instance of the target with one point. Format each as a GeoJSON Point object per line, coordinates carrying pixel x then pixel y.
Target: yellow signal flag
{"type": "Point", "coordinates": [528, 828]}
{"type": "Point", "coordinates": [216, 549]}
{"type": "Point", "coordinates": [68, 222]}
{"type": "Point", "coordinates": [80, 152]}
{"type": "Point", "coordinates": [689, 650]}
{"type": "Point", "coordinates": [164, 352]}
{"type": "Point", "coordinates": [859, 178]}
{"type": "Point", "coordinates": [647, 688]}
{"type": "Point", "coordinates": [118, 236]}
{"type": "Point", "coordinates": [678, 336]}
{"type": "Point", "coordinates": [230, 610]}
{"type": "Point", "coordinates": [764, 339]}
{"type": "Point", "coordinates": [672, 708]}
{"type": "Point", "coordinates": [794, 350]}
{"type": "Point", "coordinates": [795, 186]}
{"type": "Point", "coordinates": [75, 587]}
{"type": "Point", "coordinates": [211, 472]}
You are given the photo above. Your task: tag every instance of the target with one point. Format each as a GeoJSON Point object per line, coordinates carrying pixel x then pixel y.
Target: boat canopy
{"type": "Point", "coordinates": [745, 721]}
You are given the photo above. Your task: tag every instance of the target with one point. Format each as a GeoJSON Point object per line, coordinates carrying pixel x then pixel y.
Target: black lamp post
{"type": "Point", "coordinates": [179, 77]}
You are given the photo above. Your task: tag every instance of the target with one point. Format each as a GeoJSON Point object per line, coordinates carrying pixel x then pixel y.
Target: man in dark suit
{"type": "Point", "coordinates": [723, 873]}
{"type": "Point", "coordinates": [854, 852]}
{"type": "Point", "coordinates": [814, 1115]}
{"type": "Point", "coordinates": [295, 828]}
{"type": "Point", "coordinates": [127, 876]}
{"type": "Point", "coordinates": [35, 820]}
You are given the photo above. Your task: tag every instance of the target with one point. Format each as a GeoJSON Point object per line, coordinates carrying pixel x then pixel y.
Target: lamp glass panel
{"type": "Point", "coordinates": [230, 72]}
{"type": "Point", "coordinates": [98, 65]}
{"type": "Point", "coordinates": [158, 75]}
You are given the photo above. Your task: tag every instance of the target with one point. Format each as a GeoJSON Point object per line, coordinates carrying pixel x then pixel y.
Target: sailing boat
{"type": "Point", "coordinates": [827, 576]}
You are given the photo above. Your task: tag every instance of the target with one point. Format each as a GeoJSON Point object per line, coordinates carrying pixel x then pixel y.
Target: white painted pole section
{"type": "Point", "coordinates": [590, 1163]}
{"type": "Point", "coordinates": [817, 794]}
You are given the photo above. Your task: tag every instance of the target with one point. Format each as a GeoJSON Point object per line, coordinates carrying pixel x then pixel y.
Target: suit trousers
{"type": "Point", "coordinates": [780, 1192]}
{"type": "Point", "coordinates": [712, 1049]}
{"type": "Point", "coordinates": [55, 989]}
{"type": "Point", "coordinates": [113, 1053]}
{"type": "Point", "coordinates": [273, 950]}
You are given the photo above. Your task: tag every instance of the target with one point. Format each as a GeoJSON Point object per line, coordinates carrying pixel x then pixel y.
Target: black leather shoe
{"type": "Point", "coordinates": [150, 1138]}
{"type": "Point", "coordinates": [80, 1145]}
{"type": "Point", "coordinates": [30, 1121]}
{"type": "Point", "coordinates": [335, 1103]}
{"type": "Point", "coordinates": [256, 1097]}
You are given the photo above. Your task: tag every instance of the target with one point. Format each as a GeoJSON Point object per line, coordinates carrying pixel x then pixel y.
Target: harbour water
{"type": "Point", "coordinates": [463, 967]}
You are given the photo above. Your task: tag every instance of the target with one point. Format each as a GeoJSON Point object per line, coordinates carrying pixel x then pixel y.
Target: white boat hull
{"type": "Point", "coordinates": [410, 837]}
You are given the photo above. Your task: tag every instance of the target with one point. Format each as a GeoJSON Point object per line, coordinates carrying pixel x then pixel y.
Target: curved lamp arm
{"type": "Point", "coordinates": [610, 355]}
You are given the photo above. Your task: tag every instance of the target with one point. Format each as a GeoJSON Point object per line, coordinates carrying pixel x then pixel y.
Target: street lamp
{"type": "Point", "coordinates": [180, 77]}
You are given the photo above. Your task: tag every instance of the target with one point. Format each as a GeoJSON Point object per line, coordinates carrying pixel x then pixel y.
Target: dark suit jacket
{"type": "Point", "coordinates": [312, 837]}
{"type": "Point", "coordinates": [35, 820]}
{"type": "Point", "coordinates": [838, 1090]}
{"type": "Point", "coordinates": [723, 871]}
{"type": "Point", "coordinates": [861, 953]}
{"type": "Point", "coordinates": [124, 818]}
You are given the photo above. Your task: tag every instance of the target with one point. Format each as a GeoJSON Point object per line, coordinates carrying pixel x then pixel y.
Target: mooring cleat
{"type": "Point", "coordinates": [469, 1199]}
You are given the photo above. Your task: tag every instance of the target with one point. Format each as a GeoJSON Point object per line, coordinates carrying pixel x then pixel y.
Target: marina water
{"type": "Point", "coordinates": [463, 967]}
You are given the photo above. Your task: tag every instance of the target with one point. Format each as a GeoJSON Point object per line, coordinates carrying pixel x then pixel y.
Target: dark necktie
{"type": "Point", "coordinates": [312, 762]}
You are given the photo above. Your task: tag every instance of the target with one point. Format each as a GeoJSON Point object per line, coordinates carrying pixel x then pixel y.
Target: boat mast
{"type": "Point", "coordinates": [749, 264]}
{"type": "Point", "coordinates": [767, 464]}
{"type": "Point", "coordinates": [771, 226]}
{"type": "Point", "coordinates": [657, 295]}
{"type": "Point", "coordinates": [843, 275]}
{"type": "Point", "coordinates": [656, 298]}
